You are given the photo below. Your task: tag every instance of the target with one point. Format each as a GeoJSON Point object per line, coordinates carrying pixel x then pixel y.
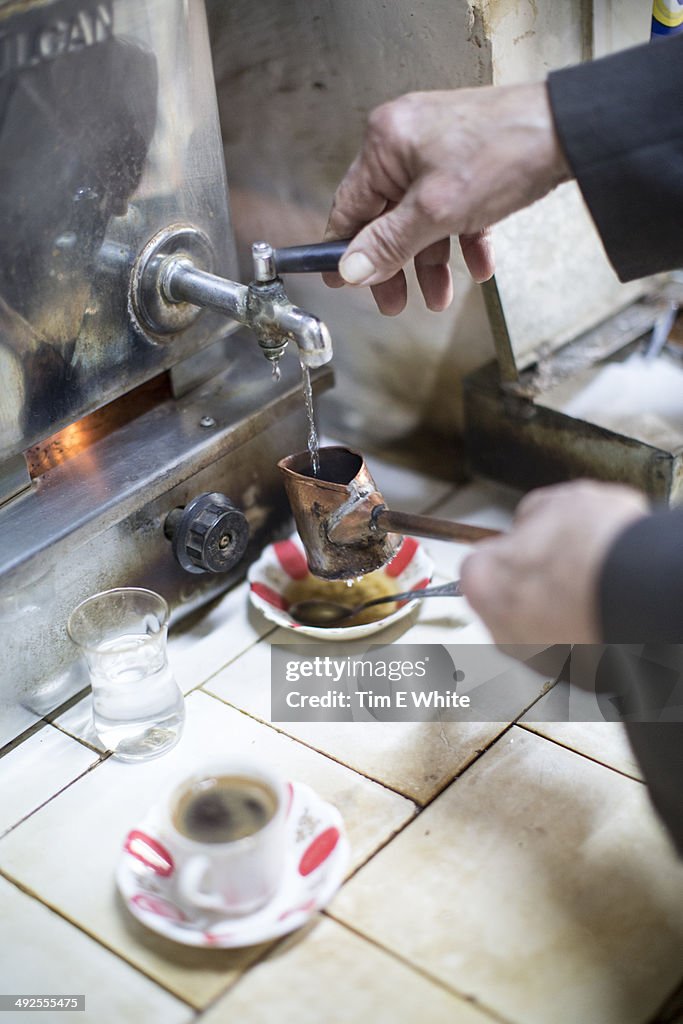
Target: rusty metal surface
{"type": "Point", "coordinates": [108, 132]}
{"type": "Point", "coordinates": [511, 439]}
{"type": "Point", "coordinates": [614, 337]}
{"type": "Point", "coordinates": [343, 521]}
{"type": "Point", "coordinates": [77, 437]}
{"type": "Point", "coordinates": [333, 513]}
{"type": "Point", "coordinates": [97, 520]}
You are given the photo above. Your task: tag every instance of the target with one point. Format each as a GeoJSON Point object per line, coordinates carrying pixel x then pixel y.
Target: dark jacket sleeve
{"type": "Point", "coordinates": [620, 123]}
{"type": "Point", "coordinates": [641, 585]}
{"type": "Point", "coordinates": [641, 602]}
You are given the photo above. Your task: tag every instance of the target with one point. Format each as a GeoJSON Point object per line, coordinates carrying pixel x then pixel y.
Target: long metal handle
{"type": "Point", "coordinates": [430, 526]}
{"type": "Point", "coordinates": [316, 258]}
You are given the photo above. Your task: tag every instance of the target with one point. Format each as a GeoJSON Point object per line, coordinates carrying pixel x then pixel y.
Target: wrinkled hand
{"type": "Point", "coordinates": [435, 164]}
{"type": "Point", "coordinates": [539, 583]}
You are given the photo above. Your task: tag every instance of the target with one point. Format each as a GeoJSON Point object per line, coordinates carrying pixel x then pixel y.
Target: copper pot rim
{"type": "Point", "coordinates": [313, 481]}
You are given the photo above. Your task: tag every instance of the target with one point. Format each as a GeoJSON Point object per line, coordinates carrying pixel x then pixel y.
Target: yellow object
{"type": "Point", "coordinates": [668, 12]}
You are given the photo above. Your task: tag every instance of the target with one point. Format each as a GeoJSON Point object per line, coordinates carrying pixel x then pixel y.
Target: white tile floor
{"type": "Point", "coordinates": [535, 886]}
{"type": "Point", "coordinates": [331, 974]}
{"type": "Point", "coordinates": [539, 883]}
{"type": "Point", "coordinates": [67, 853]}
{"type": "Point", "coordinates": [415, 758]}
{"type": "Point", "coordinates": [44, 954]}
{"type": "Point", "coordinates": [38, 768]}
{"type": "Point", "coordinates": [605, 742]}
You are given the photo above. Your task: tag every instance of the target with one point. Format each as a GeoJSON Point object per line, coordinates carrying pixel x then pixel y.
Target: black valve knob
{"type": "Point", "coordinates": [209, 535]}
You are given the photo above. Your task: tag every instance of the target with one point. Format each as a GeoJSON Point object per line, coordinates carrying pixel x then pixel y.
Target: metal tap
{"type": "Point", "coordinates": [168, 287]}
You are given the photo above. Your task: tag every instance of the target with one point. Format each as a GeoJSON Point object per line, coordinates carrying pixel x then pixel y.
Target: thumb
{"type": "Point", "coordinates": [477, 250]}
{"type": "Point", "coordinates": [386, 244]}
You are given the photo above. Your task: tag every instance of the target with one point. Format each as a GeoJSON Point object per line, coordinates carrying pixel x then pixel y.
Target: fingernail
{"type": "Point", "coordinates": [356, 268]}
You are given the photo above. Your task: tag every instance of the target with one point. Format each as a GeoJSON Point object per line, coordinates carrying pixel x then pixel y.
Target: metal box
{"type": "Point", "coordinates": [558, 315]}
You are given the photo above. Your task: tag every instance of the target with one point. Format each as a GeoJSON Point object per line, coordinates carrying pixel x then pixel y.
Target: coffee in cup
{"type": "Point", "coordinates": [224, 808]}
{"type": "Point", "coordinates": [225, 829]}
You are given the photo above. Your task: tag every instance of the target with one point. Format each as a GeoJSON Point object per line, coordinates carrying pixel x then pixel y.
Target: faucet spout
{"type": "Point", "coordinates": [311, 335]}
{"type": "Point", "coordinates": [274, 314]}
{"type": "Point", "coordinates": [263, 305]}
{"type": "Point", "coordinates": [275, 321]}
{"type": "Point", "coordinates": [169, 288]}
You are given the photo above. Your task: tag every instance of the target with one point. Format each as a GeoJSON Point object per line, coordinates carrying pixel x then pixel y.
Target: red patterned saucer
{"type": "Point", "coordinates": [411, 568]}
{"type": "Point", "coordinates": [316, 857]}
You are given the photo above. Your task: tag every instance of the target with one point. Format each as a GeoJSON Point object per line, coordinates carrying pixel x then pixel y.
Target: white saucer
{"type": "Point", "coordinates": [411, 568]}
{"type": "Point", "coordinates": [316, 856]}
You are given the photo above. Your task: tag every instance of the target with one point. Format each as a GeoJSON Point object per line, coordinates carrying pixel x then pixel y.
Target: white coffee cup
{"type": "Point", "coordinates": [212, 871]}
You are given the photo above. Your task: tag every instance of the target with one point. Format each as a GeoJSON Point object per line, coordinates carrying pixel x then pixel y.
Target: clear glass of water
{"type": "Point", "coordinates": [138, 707]}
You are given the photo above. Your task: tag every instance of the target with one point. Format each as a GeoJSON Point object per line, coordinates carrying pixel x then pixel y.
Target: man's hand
{"type": "Point", "coordinates": [435, 164]}
{"type": "Point", "coordinates": [539, 583]}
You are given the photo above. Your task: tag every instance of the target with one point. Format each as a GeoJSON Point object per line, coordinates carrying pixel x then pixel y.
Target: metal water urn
{"type": "Point", "coordinates": [140, 426]}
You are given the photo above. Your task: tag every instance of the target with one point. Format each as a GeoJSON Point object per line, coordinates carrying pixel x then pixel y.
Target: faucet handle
{"type": "Point", "coordinates": [316, 258]}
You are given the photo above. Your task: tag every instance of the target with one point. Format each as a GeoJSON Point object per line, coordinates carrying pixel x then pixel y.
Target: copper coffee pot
{"type": "Point", "coordinates": [344, 524]}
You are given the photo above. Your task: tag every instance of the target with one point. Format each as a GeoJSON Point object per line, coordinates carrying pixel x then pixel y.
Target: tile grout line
{"type": "Point", "coordinates": [432, 506]}
{"type": "Point", "coordinates": [420, 806]}
{"type": "Point", "coordinates": [479, 752]}
{"type": "Point", "coordinates": [79, 739]}
{"type": "Point", "coordinates": [308, 746]}
{"type": "Point", "coordinates": [579, 753]}
{"type": "Point", "coordinates": [230, 988]}
{"type": "Point", "coordinates": [231, 661]}
{"type": "Point", "coordinates": [422, 971]}
{"type": "Point", "coordinates": [94, 938]}
{"type": "Point", "coordinates": [414, 968]}
{"type": "Point", "coordinates": [16, 741]}
{"type": "Point", "coordinates": [68, 704]}
{"type": "Point", "coordinates": [100, 760]}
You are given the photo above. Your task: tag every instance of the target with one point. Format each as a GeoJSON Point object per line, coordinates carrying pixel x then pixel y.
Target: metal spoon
{"type": "Point", "coordinates": [330, 613]}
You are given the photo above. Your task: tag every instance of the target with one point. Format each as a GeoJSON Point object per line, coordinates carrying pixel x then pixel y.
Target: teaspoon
{"type": "Point", "coordinates": [330, 613]}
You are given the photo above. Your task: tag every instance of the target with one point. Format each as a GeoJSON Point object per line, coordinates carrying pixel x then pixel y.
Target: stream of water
{"type": "Point", "coordinates": [313, 444]}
